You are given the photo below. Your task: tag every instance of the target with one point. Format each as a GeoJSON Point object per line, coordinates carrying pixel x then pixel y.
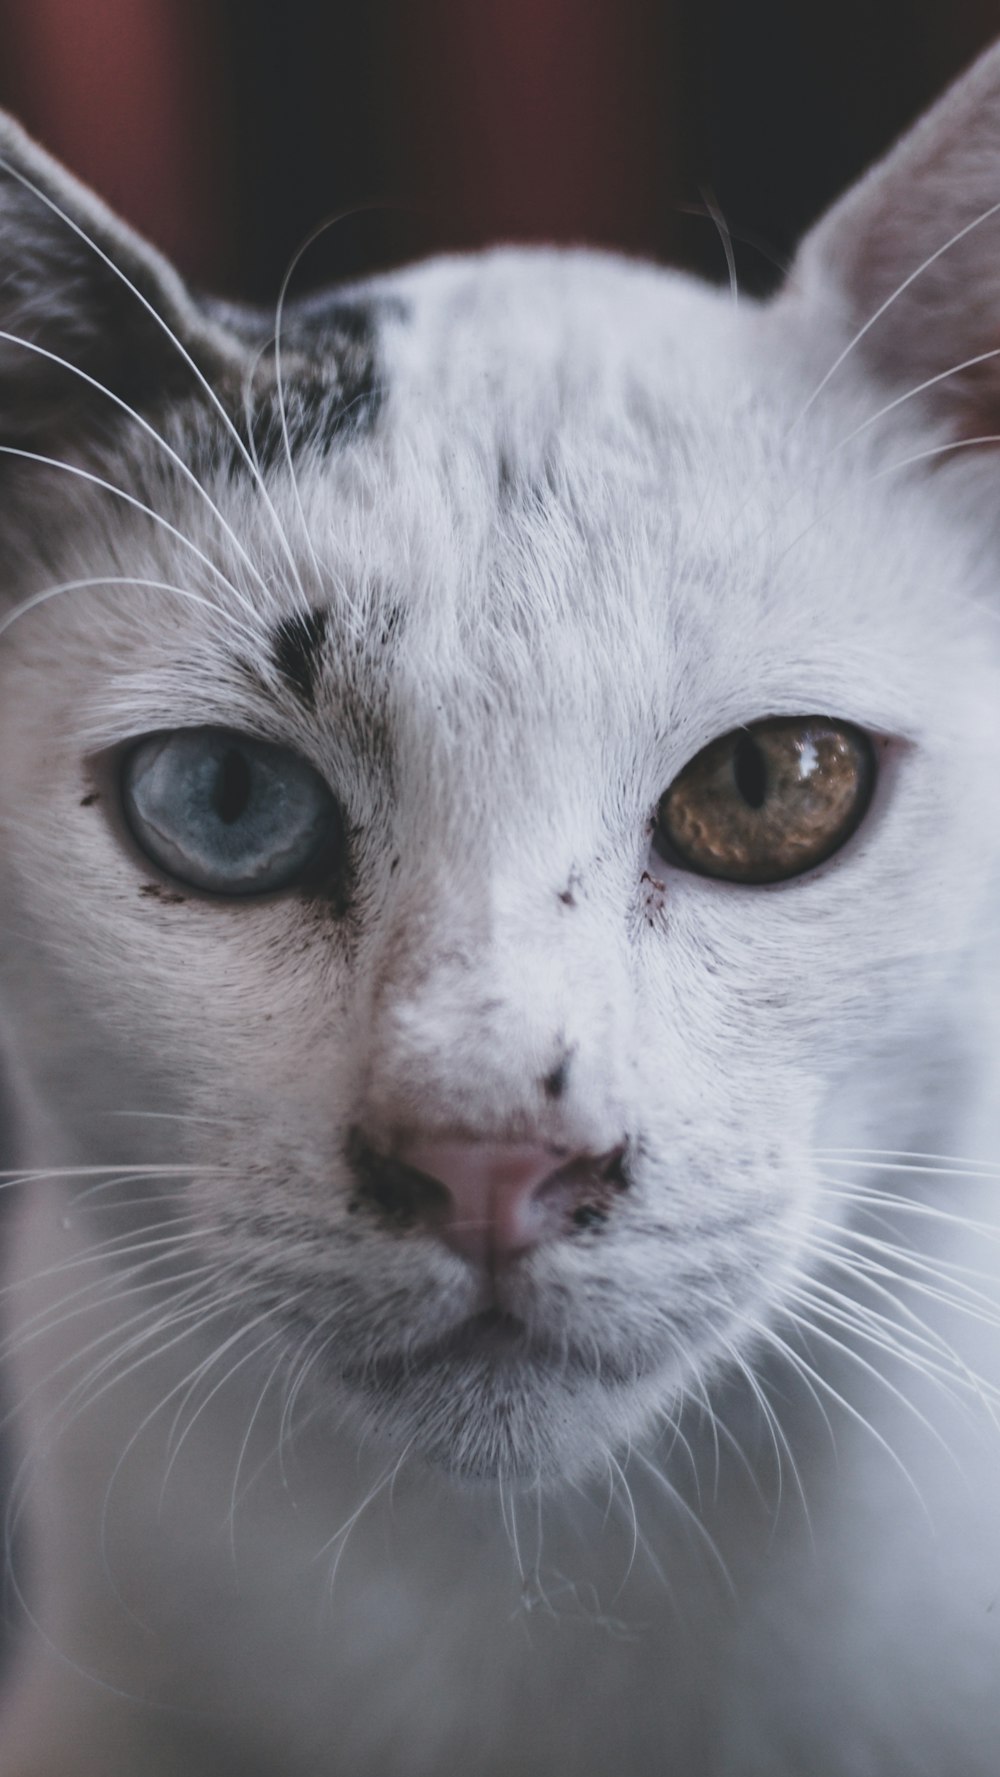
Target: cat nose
{"type": "Point", "coordinates": [491, 1201]}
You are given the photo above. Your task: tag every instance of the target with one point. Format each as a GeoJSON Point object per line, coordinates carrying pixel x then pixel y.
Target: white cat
{"type": "Point", "coordinates": [499, 884]}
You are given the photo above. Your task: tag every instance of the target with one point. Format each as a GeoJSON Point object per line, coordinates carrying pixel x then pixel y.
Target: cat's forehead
{"type": "Point", "coordinates": [533, 481]}
{"type": "Point", "coordinates": [566, 440]}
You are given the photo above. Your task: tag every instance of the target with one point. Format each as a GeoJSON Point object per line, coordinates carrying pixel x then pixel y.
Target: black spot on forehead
{"type": "Point", "coordinates": [296, 645]}
{"type": "Point", "coordinates": [332, 385]}
{"type": "Point", "coordinates": [336, 387]}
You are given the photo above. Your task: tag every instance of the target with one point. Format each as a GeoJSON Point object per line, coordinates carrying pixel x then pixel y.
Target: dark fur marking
{"type": "Point", "coordinates": [392, 625]}
{"type": "Point", "coordinates": [555, 1082]}
{"type": "Point", "coordinates": [330, 382]}
{"type": "Point", "coordinates": [155, 891]}
{"type": "Point", "coordinates": [296, 643]}
{"type": "Point", "coordinates": [506, 477]}
{"type": "Point", "coordinates": [341, 334]}
{"type": "Point", "coordinates": [589, 1216]}
{"type": "Point", "coordinates": [88, 801]}
{"type": "Point", "coordinates": [331, 387]}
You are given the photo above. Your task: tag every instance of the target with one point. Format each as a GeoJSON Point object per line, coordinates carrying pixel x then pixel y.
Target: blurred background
{"type": "Point", "coordinates": [226, 130]}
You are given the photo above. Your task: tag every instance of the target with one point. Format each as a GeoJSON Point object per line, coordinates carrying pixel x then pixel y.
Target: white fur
{"type": "Point", "coordinates": [615, 1559]}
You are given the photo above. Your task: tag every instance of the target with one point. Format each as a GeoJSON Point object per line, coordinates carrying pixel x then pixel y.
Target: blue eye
{"type": "Point", "coordinates": [228, 814]}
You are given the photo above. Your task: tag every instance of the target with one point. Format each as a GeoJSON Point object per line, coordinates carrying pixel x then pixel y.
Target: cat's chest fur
{"type": "Point", "coordinates": [500, 885]}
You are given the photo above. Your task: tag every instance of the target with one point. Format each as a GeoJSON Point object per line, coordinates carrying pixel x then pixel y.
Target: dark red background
{"type": "Point", "coordinates": [226, 129]}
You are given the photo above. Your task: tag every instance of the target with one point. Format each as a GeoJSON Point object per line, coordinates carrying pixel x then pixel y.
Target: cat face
{"type": "Point", "coordinates": [341, 694]}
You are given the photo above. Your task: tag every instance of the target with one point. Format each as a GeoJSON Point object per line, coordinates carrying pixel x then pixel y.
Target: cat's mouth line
{"type": "Point", "coordinates": [498, 1339]}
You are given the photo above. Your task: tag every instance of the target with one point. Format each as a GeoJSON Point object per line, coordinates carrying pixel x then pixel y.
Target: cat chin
{"type": "Point", "coordinates": [494, 1413]}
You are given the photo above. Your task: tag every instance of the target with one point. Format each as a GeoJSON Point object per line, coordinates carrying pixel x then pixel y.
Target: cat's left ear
{"type": "Point", "coordinates": [78, 285]}
{"type": "Point", "coordinates": [909, 260]}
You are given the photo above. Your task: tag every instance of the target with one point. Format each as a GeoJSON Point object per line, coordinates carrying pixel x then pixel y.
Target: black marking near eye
{"type": "Point", "coordinates": [297, 644]}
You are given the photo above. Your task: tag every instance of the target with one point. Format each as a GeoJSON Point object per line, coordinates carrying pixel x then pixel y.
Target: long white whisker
{"type": "Point", "coordinates": [690, 1516]}
{"type": "Point", "coordinates": [893, 297]}
{"type": "Point", "coordinates": [286, 443]}
{"type": "Point", "coordinates": [724, 233]}
{"type": "Point", "coordinates": [808, 1371]}
{"type": "Point", "coordinates": [177, 1437]}
{"type": "Point", "coordinates": [813, 1309]}
{"type": "Point", "coordinates": [280, 1363]}
{"type": "Point", "coordinates": [34, 456]}
{"type": "Point", "coordinates": [921, 456]}
{"type": "Point", "coordinates": [890, 1201]}
{"type": "Point", "coordinates": [923, 1165]}
{"type": "Point", "coordinates": [151, 431]}
{"type": "Point", "coordinates": [929, 382]}
{"type": "Point", "coordinates": [870, 1276]}
{"type": "Point", "coordinates": [35, 599]}
{"type": "Point", "coordinates": [150, 308]}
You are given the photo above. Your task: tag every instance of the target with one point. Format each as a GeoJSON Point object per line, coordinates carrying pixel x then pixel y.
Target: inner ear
{"type": "Point", "coordinates": [84, 301]}
{"type": "Point", "coordinates": [907, 264]}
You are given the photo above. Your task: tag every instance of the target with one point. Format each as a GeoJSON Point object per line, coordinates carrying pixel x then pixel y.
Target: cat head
{"type": "Point", "coordinates": [496, 766]}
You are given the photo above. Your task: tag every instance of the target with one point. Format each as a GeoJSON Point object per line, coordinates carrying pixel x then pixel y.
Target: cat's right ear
{"type": "Point", "coordinates": [904, 271]}
{"type": "Point", "coordinates": [83, 297]}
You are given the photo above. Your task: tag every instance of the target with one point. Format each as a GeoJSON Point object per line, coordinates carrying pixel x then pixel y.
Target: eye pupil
{"type": "Point", "coordinates": [750, 771]}
{"type": "Point", "coordinates": [231, 792]}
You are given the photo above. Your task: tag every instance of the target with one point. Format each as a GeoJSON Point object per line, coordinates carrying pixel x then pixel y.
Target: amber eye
{"type": "Point", "coordinates": [767, 801]}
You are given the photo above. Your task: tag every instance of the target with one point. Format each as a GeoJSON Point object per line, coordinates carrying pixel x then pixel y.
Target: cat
{"type": "Point", "coordinates": [499, 885]}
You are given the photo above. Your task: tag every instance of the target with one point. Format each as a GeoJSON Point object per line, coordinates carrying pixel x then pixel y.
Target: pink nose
{"type": "Point", "coordinates": [495, 1200]}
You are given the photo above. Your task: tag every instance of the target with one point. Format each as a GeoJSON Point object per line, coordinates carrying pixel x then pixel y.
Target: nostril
{"type": "Point", "coordinates": [612, 1168]}
{"type": "Point", "coordinates": [401, 1193]}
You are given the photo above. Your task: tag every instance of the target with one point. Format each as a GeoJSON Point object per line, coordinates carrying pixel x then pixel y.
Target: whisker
{"type": "Point", "coordinates": [159, 320]}
{"type": "Point", "coordinates": [886, 1200]}
{"type": "Point", "coordinates": [177, 1437]}
{"type": "Point", "coordinates": [920, 388]}
{"type": "Point", "coordinates": [158, 438]}
{"type": "Point", "coordinates": [280, 1364]}
{"type": "Point", "coordinates": [806, 1370]}
{"type": "Point", "coordinates": [111, 487]}
{"type": "Point", "coordinates": [88, 1298]}
{"type": "Point", "coordinates": [286, 444]}
{"type": "Point", "coordinates": [783, 1451]}
{"type": "Point", "coordinates": [26, 1175]}
{"type": "Point", "coordinates": [724, 233]}
{"type": "Point", "coordinates": [937, 1165]}
{"type": "Point", "coordinates": [691, 1518]}
{"type": "Point", "coordinates": [871, 1277]}
{"type": "Point", "coordinates": [183, 592]}
{"type": "Point", "coordinates": [814, 1309]}
{"type": "Point", "coordinates": [923, 456]}
{"type": "Point", "coordinates": [893, 297]}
